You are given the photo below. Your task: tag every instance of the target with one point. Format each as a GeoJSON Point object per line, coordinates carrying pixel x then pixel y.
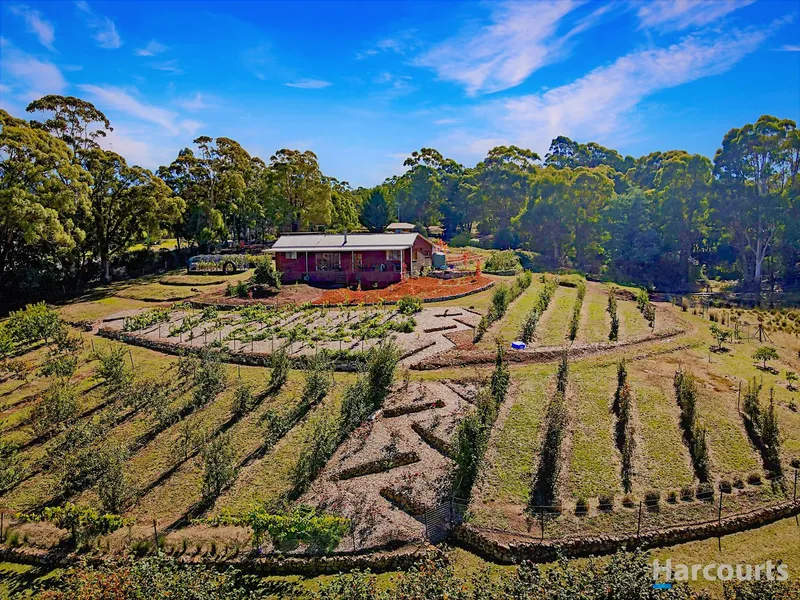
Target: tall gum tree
{"type": "Point", "coordinates": [756, 170]}
{"type": "Point", "coordinates": [42, 194]}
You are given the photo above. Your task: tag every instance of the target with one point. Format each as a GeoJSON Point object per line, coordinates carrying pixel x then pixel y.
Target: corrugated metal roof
{"type": "Point", "coordinates": [321, 242]}
{"type": "Point", "coordinates": [400, 226]}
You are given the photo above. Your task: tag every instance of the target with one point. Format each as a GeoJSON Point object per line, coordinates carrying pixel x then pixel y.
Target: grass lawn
{"type": "Point", "coordinates": [595, 322]}
{"type": "Point", "coordinates": [632, 323]}
{"type": "Point", "coordinates": [270, 477]}
{"type": "Point", "coordinates": [664, 459]}
{"type": "Point", "coordinates": [509, 326]}
{"type": "Point", "coordinates": [503, 486]}
{"type": "Point", "coordinates": [478, 302]}
{"type": "Point", "coordinates": [155, 292]}
{"type": "Point", "coordinates": [554, 324]}
{"type": "Point", "coordinates": [99, 309]}
{"type": "Point", "coordinates": [594, 466]}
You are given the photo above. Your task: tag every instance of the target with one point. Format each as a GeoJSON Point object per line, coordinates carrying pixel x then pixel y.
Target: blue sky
{"type": "Point", "coordinates": [363, 84]}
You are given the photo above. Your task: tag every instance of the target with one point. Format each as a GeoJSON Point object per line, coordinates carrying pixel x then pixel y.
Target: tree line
{"type": "Point", "coordinates": [70, 208]}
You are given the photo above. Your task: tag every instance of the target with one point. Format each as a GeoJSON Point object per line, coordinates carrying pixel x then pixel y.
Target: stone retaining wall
{"type": "Point", "coordinates": [407, 409]}
{"type": "Point", "coordinates": [379, 465]}
{"type": "Point", "coordinates": [381, 561]}
{"type": "Point", "coordinates": [253, 359]}
{"type": "Point", "coordinates": [487, 543]}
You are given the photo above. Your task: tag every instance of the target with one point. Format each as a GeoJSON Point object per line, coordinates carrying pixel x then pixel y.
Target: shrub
{"type": "Point", "coordinates": [146, 319]}
{"type": "Point", "coordinates": [613, 333]}
{"type": "Point", "coordinates": [504, 260]}
{"type": "Point", "coordinates": [280, 364]}
{"type": "Point", "coordinates": [672, 497]}
{"type": "Point", "coordinates": [581, 507]}
{"type": "Point", "coordinates": [83, 523]}
{"type": "Point", "coordinates": [500, 300]}
{"type": "Point", "coordinates": [113, 487]}
{"type": "Point", "coordinates": [738, 483]}
{"type": "Point", "coordinates": [652, 497]}
{"type": "Point", "coordinates": [725, 486]}
{"type": "Point", "coordinates": [11, 469]}
{"type": "Point", "coordinates": [754, 478]}
{"type": "Point", "coordinates": [605, 503]}
{"type": "Point", "coordinates": [35, 322]}
{"type": "Point", "coordinates": [549, 467]}
{"type": "Point", "coordinates": [210, 378]}
{"type": "Point", "coordinates": [408, 305]}
{"type": "Point", "coordinates": [315, 454]}
{"type": "Point", "coordinates": [57, 408]}
{"type": "Point", "coordinates": [627, 501]}
{"type": "Point", "coordinates": [243, 399]}
{"type": "Point", "coordinates": [265, 273]}
{"type": "Point", "coordinates": [576, 311]}
{"type": "Point", "coordinates": [687, 493]}
{"type": "Point", "coordinates": [764, 354]}
{"type": "Point", "coordinates": [114, 368]}
{"type": "Point", "coordinates": [705, 492]}
{"type": "Point", "coordinates": [219, 462]}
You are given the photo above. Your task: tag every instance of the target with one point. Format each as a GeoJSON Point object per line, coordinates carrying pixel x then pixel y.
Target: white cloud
{"type": "Point", "coordinates": [308, 84]}
{"type": "Point", "coordinates": [400, 43]}
{"type": "Point", "coordinates": [153, 47]}
{"type": "Point", "coordinates": [790, 48]}
{"type": "Point", "coordinates": [680, 14]}
{"type": "Point", "coordinates": [170, 66]}
{"type": "Point", "coordinates": [28, 76]}
{"type": "Point", "coordinates": [105, 31]}
{"type": "Point", "coordinates": [446, 122]}
{"type": "Point", "coordinates": [197, 102]}
{"type": "Point", "coordinates": [603, 102]}
{"type": "Point", "coordinates": [35, 24]}
{"type": "Point", "coordinates": [520, 39]}
{"type": "Point", "coordinates": [109, 97]}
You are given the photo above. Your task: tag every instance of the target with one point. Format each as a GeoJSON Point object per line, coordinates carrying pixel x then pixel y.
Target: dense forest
{"type": "Point", "coordinates": [71, 210]}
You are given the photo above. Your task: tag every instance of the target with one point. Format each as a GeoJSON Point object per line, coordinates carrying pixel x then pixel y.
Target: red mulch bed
{"type": "Point", "coordinates": [293, 293]}
{"type": "Point", "coordinates": [421, 287]}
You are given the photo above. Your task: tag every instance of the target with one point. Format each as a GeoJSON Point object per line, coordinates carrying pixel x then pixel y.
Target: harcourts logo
{"type": "Point", "coordinates": [668, 572]}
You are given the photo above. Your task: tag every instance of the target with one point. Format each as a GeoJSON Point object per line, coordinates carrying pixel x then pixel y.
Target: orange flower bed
{"type": "Point", "coordinates": [421, 287]}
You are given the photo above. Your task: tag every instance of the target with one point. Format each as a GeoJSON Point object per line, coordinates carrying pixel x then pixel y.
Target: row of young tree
{"type": "Point", "coordinates": [70, 207]}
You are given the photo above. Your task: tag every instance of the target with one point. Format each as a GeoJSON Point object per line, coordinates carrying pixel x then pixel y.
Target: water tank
{"type": "Point", "coordinates": [438, 260]}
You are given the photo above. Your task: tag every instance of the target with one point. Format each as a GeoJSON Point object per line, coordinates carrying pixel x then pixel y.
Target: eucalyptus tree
{"type": "Point", "coordinates": [683, 186]}
{"type": "Point", "coordinates": [504, 180]}
{"type": "Point", "coordinates": [43, 196]}
{"type": "Point", "coordinates": [76, 122]}
{"type": "Point", "coordinates": [756, 170]}
{"type": "Point", "coordinates": [344, 206]}
{"type": "Point", "coordinates": [123, 200]}
{"type": "Point", "coordinates": [300, 186]}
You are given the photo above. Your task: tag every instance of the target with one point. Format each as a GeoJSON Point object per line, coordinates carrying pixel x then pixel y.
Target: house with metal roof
{"type": "Point", "coordinates": [372, 259]}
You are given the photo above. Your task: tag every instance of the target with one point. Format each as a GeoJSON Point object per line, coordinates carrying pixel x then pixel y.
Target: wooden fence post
{"type": "Point", "coordinates": [639, 525]}
{"type": "Point", "coordinates": [155, 534]}
{"type": "Point", "coordinates": [542, 518]}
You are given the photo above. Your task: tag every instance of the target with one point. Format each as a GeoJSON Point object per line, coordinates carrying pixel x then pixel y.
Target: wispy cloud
{"type": "Point", "coordinates": [35, 24]}
{"type": "Point", "coordinates": [401, 43]}
{"type": "Point", "coordinates": [680, 14]}
{"type": "Point", "coordinates": [151, 49]}
{"type": "Point", "coordinates": [308, 84]}
{"type": "Point", "coordinates": [105, 31]}
{"type": "Point", "coordinates": [198, 102]}
{"type": "Point", "coordinates": [170, 66]}
{"type": "Point", "coordinates": [520, 39]}
{"type": "Point", "coordinates": [789, 48]}
{"type": "Point", "coordinates": [601, 103]}
{"type": "Point", "coordinates": [118, 99]}
{"type": "Point", "coordinates": [27, 76]}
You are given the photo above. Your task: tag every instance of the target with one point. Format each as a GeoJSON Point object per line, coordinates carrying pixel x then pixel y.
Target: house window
{"type": "Point", "coordinates": [414, 254]}
{"type": "Point", "coordinates": [290, 255]}
{"type": "Point", "coordinates": [394, 255]}
{"type": "Point", "coordinates": [358, 260]}
{"type": "Point", "coordinates": [329, 261]}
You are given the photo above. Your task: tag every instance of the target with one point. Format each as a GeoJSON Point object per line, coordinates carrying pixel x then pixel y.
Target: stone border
{"type": "Point", "coordinates": [467, 356]}
{"type": "Point", "coordinates": [440, 328]}
{"type": "Point", "coordinates": [379, 465]}
{"type": "Point", "coordinates": [407, 409]}
{"type": "Point", "coordinates": [516, 549]}
{"type": "Point", "coordinates": [237, 357]}
{"type": "Point", "coordinates": [397, 559]}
